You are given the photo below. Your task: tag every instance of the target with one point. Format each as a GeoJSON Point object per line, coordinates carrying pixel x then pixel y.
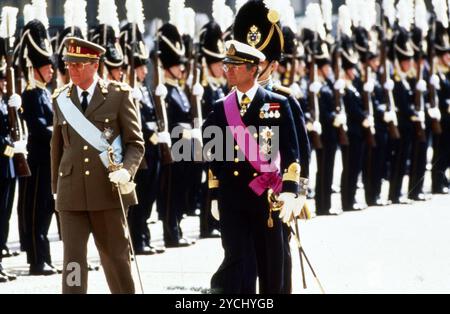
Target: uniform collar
{"type": "Point", "coordinates": [250, 93]}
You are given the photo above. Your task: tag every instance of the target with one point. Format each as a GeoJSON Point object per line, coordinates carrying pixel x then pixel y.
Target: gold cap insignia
{"type": "Point", "coordinates": [253, 36]}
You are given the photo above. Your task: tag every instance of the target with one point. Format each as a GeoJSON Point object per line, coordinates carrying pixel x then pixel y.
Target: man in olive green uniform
{"type": "Point", "coordinates": [90, 117]}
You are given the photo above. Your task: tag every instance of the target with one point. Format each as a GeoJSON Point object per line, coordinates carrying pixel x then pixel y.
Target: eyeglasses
{"type": "Point", "coordinates": [229, 66]}
{"type": "Point", "coordinates": [76, 65]}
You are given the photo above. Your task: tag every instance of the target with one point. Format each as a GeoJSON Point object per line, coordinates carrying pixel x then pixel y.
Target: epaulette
{"type": "Point", "coordinates": [285, 91]}
{"type": "Point", "coordinates": [123, 86]}
{"type": "Point", "coordinates": [58, 91]}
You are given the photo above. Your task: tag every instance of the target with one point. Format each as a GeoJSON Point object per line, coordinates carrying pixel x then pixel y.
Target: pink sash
{"type": "Point", "coordinates": [269, 173]}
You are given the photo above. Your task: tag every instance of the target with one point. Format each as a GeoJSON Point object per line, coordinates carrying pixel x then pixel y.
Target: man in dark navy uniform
{"type": "Point", "coordinates": [253, 14]}
{"type": "Point", "coordinates": [248, 226]}
{"type": "Point", "coordinates": [147, 177]}
{"type": "Point", "coordinates": [404, 99]}
{"type": "Point", "coordinates": [212, 51]}
{"type": "Point", "coordinates": [37, 106]}
{"type": "Point", "coordinates": [441, 155]}
{"type": "Point", "coordinates": [7, 170]}
{"type": "Point", "coordinates": [175, 176]}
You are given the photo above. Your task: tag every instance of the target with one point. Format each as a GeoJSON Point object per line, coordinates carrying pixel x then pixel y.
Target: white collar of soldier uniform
{"type": "Point", "coordinates": [250, 93]}
{"type": "Point", "coordinates": [90, 89]}
{"type": "Point", "coordinates": [172, 82]}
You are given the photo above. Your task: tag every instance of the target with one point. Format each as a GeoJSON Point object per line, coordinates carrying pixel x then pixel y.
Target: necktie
{"type": "Point", "coordinates": [84, 101]}
{"type": "Point", "coordinates": [245, 101]}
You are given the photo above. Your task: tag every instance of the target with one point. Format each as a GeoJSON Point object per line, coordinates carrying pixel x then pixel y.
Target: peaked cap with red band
{"type": "Point", "coordinates": [80, 50]}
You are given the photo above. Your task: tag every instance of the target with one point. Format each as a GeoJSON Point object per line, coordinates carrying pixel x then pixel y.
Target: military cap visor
{"type": "Point", "coordinates": [80, 50]}
{"type": "Point", "coordinates": [240, 53]}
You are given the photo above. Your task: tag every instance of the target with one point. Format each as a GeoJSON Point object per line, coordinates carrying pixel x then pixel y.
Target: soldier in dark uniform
{"type": "Point", "coordinates": [176, 175]}
{"type": "Point", "coordinates": [147, 177]}
{"type": "Point", "coordinates": [212, 53]}
{"type": "Point", "coordinates": [105, 36]}
{"type": "Point", "coordinates": [418, 156]}
{"type": "Point", "coordinates": [357, 120]}
{"type": "Point", "coordinates": [255, 14]}
{"type": "Point", "coordinates": [248, 227]}
{"type": "Point", "coordinates": [374, 167]}
{"type": "Point", "coordinates": [7, 170]}
{"type": "Point", "coordinates": [38, 203]}
{"type": "Point", "coordinates": [404, 100]}
{"type": "Point", "coordinates": [441, 151]}
{"type": "Point", "coordinates": [323, 125]}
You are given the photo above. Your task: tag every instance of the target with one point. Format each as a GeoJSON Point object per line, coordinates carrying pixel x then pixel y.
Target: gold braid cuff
{"type": "Point", "coordinates": [292, 173]}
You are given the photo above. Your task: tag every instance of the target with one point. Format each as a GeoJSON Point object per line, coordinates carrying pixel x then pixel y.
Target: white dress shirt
{"type": "Point", "coordinates": [90, 90]}
{"type": "Point", "coordinates": [250, 93]}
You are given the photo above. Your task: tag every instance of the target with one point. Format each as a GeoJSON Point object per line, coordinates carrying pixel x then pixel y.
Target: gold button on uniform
{"type": "Point", "coordinates": [255, 135]}
{"type": "Point", "coordinates": [236, 147]}
{"type": "Point", "coordinates": [64, 122]}
{"type": "Point", "coordinates": [236, 159]}
{"type": "Point", "coordinates": [236, 173]}
{"type": "Point", "coordinates": [61, 174]}
{"type": "Point", "coordinates": [86, 160]}
{"type": "Point", "coordinates": [255, 174]}
{"type": "Point", "coordinates": [87, 173]}
{"type": "Point", "coordinates": [85, 147]}
{"type": "Point", "coordinates": [106, 120]}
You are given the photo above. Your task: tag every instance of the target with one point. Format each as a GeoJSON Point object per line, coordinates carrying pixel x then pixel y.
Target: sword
{"type": "Point", "coordinates": [114, 166]}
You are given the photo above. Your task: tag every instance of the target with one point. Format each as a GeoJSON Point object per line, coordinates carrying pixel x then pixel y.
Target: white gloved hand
{"type": "Point", "coordinates": [20, 147]}
{"type": "Point", "coordinates": [389, 85]}
{"type": "Point", "coordinates": [368, 122]}
{"type": "Point", "coordinates": [289, 206]}
{"type": "Point", "coordinates": [137, 94]}
{"type": "Point", "coordinates": [434, 113]}
{"type": "Point", "coordinates": [161, 90]}
{"type": "Point", "coordinates": [315, 87]}
{"type": "Point", "coordinates": [390, 116]}
{"type": "Point", "coordinates": [301, 201]}
{"type": "Point", "coordinates": [317, 127]}
{"type": "Point", "coordinates": [15, 101]}
{"type": "Point", "coordinates": [339, 84]}
{"type": "Point", "coordinates": [296, 90]}
{"type": "Point", "coordinates": [420, 117]}
{"type": "Point", "coordinates": [120, 176]}
{"type": "Point", "coordinates": [369, 86]}
{"type": "Point", "coordinates": [215, 210]}
{"type": "Point", "coordinates": [164, 138]}
{"type": "Point", "coordinates": [196, 134]}
{"type": "Point", "coordinates": [435, 81]}
{"type": "Point", "coordinates": [421, 86]}
{"type": "Point", "coordinates": [340, 119]}
{"type": "Point", "coordinates": [198, 90]}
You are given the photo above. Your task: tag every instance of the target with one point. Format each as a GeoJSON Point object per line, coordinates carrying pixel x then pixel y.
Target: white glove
{"type": "Point", "coordinates": [137, 94]}
{"type": "Point", "coordinates": [120, 176]}
{"type": "Point", "coordinates": [198, 90]}
{"type": "Point", "coordinates": [389, 85]}
{"type": "Point", "coordinates": [15, 101]}
{"type": "Point", "coordinates": [215, 210]}
{"type": "Point", "coordinates": [434, 113]}
{"type": "Point", "coordinates": [20, 147]}
{"type": "Point", "coordinates": [421, 86]}
{"type": "Point", "coordinates": [390, 116]}
{"type": "Point", "coordinates": [161, 90]}
{"type": "Point", "coordinates": [290, 206]}
{"type": "Point", "coordinates": [368, 122]}
{"type": "Point", "coordinates": [317, 127]}
{"type": "Point", "coordinates": [296, 90]}
{"type": "Point", "coordinates": [420, 117]}
{"type": "Point", "coordinates": [369, 86]}
{"type": "Point", "coordinates": [164, 138]}
{"type": "Point", "coordinates": [340, 119]}
{"type": "Point", "coordinates": [196, 134]}
{"type": "Point", "coordinates": [314, 87]}
{"type": "Point", "coordinates": [435, 81]}
{"type": "Point", "coordinates": [339, 84]}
